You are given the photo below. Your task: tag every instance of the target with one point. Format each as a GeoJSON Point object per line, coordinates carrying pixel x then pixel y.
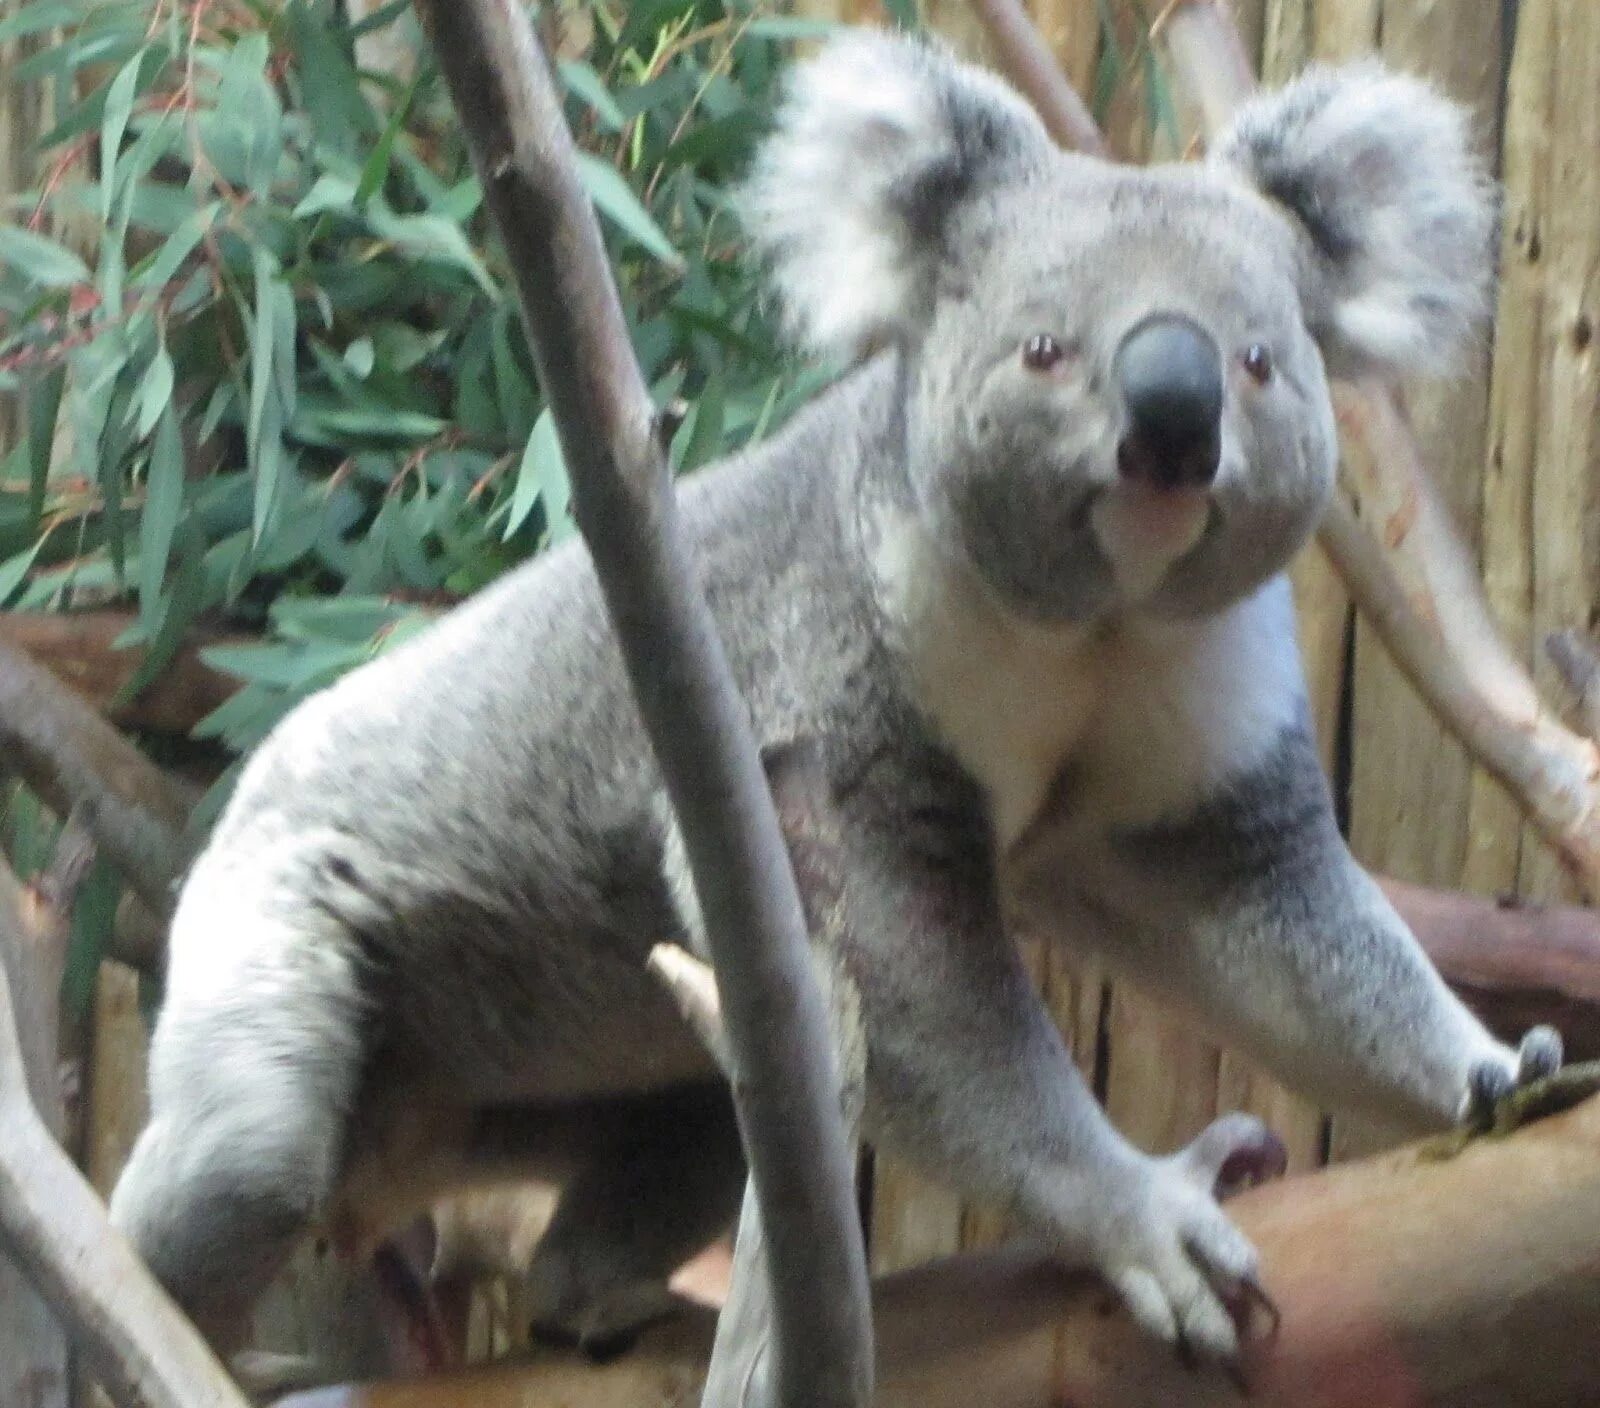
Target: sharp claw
{"type": "Point", "coordinates": [1186, 1354]}
{"type": "Point", "coordinates": [1251, 1165]}
{"type": "Point", "coordinates": [1236, 1377]}
{"type": "Point", "coordinates": [1256, 1298]}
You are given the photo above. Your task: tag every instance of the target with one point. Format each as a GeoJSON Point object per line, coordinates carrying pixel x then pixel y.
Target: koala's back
{"type": "Point", "coordinates": [470, 828]}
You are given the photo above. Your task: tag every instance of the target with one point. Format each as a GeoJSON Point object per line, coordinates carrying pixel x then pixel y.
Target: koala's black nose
{"type": "Point", "coordinates": [1170, 375]}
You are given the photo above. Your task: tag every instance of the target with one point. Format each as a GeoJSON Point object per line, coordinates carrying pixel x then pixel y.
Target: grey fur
{"type": "Point", "coordinates": [427, 909]}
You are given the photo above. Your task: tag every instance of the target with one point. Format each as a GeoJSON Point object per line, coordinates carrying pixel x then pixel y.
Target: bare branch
{"type": "Point", "coordinates": [52, 1226]}
{"type": "Point", "coordinates": [76, 761]}
{"type": "Point", "coordinates": [1028, 62]}
{"type": "Point", "coordinates": [742, 1358]}
{"type": "Point", "coordinates": [1513, 962]}
{"type": "Point", "coordinates": [697, 723]}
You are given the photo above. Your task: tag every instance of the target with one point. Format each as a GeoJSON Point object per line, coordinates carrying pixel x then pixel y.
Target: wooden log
{"type": "Point", "coordinates": [1404, 1280]}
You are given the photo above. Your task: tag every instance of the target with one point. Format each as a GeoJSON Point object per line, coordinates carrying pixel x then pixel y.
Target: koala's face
{"type": "Point", "coordinates": [1116, 387]}
{"type": "Point", "coordinates": [1117, 401]}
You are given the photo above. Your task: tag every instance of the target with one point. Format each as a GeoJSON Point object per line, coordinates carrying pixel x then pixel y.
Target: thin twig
{"type": "Point", "coordinates": [697, 723]}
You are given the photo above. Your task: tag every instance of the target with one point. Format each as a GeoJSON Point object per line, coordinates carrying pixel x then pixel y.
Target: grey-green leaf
{"type": "Point", "coordinates": [41, 261]}
{"type": "Point", "coordinates": [615, 199]}
{"type": "Point", "coordinates": [163, 502]}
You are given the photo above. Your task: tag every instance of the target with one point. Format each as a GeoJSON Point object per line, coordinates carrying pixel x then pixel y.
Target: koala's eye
{"type": "Point", "coordinates": [1258, 362]}
{"type": "Point", "coordinates": [1041, 352]}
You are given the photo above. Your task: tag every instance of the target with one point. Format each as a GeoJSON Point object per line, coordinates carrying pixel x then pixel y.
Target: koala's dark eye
{"type": "Point", "coordinates": [1041, 352]}
{"type": "Point", "coordinates": [1258, 362]}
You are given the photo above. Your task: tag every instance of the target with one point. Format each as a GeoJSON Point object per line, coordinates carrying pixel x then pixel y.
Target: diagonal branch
{"type": "Point", "coordinates": [1033, 68]}
{"type": "Point", "coordinates": [52, 1226]}
{"type": "Point", "coordinates": [696, 720]}
{"type": "Point", "coordinates": [77, 762]}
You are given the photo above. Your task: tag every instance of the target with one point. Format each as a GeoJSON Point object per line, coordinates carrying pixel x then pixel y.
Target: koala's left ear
{"type": "Point", "coordinates": [879, 142]}
{"type": "Point", "coordinates": [1378, 170]}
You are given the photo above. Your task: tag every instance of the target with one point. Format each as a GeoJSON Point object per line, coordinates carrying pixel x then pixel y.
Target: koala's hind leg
{"type": "Point", "coordinates": [254, 1066]}
{"type": "Point", "coordinates": [653, 1179]}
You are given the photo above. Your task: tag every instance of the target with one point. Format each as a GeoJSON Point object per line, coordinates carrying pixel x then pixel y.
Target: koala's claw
{"type": "Point", "coordinates": [1252, 1297]}
{"type": "Point", "coordinates": [1234, 1153]}
{"type": "Point", "coordinates": [1491, 1083]}
{"type": "Point", "coordinates": [1539, 1055]}
{"type": "Point", "coordinates": [1191, 1279]}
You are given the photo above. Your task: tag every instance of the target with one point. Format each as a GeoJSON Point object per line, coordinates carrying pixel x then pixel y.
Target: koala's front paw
{"type": "Point", "coordinates": [1493, 1081]}
{"type": "Point", "coordinates": [1186, 1273]}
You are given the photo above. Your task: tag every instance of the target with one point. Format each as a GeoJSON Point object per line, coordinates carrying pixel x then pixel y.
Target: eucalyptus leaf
{"type": "Point", "coordinates": [163, 503]}
{"type": "Point", "coordinates": [615, 199]}
{"type": "Point", "coordinates": [113, 123]}
{"type": "Point", "coordinates": [41, 261]}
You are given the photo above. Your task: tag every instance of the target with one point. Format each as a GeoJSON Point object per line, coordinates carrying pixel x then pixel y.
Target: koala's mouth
{"type": "Point", "coordinates": [1143, 530]}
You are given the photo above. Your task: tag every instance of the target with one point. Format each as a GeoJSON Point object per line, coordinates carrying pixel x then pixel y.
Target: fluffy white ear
{"type": "Point", "coordinates": [1378, 169]}
{"type": "Point", "coordinates": [878, 140]}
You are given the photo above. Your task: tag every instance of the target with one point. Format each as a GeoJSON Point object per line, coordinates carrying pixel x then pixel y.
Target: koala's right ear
{"type": "Point", "coordinates": [1378, 171]}
{"type": "Point", "coordinates": [878, 141]}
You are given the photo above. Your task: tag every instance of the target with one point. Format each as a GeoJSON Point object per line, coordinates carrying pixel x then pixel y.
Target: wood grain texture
{"type": "Point", "coordinates": [1411, 782]}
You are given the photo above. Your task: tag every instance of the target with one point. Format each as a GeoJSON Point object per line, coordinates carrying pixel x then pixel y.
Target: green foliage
{"type": "Point", "coordinates": [286, 383]}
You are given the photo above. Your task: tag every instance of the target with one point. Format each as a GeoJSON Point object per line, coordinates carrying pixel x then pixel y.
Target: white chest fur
{"type": "Point", "coordinates": [1152, 715]}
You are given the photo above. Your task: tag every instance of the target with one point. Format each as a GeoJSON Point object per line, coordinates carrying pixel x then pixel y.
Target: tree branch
{"type": "Point", "coordinates": [77, 762]}
{"type": "Point", "coordinates": [80, 649]}
{"type": "Point", "coordinates": [697, 723]}
{"type": "Point", "coordinates": [1514, 963]}
{"type": "Point", "coordinates": [1033, 68]}
{"type": "Point", "coordinates": [742, 1355]}
{"type": "Point", "coordinates": [52, 1226]}
{"type": "Point", "coordinates": [1404, 1279]}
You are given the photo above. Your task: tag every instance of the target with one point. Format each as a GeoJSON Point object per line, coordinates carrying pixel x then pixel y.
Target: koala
{"type": "Point", "coordinates": [1018, 573]}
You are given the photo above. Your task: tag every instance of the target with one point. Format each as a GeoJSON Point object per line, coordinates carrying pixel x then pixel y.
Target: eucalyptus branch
{"type": "Point", "coordinates": [1033, 68]}
{"type": "Point", "coordinates": [698, 725]}
{"type": "Point", "coordinates": [77, 762]}
{"type": "Point", "coordinates": [139, 1347]}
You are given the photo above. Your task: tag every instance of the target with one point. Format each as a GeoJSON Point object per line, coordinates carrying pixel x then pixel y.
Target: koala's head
{"type": "Point", "coordinates": [1116, 376]}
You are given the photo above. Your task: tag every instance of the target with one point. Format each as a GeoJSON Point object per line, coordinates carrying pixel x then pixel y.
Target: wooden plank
{"type": "Point", "coordinates": [1565, 531]}
{"type": "Point", "coordinates": [1496, 838]}
{"type": "Point", "coordinates": [1411, 782]}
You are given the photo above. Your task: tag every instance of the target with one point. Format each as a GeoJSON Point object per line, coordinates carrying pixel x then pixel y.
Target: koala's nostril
{"type": "Point", "coordinates": [1169, 372]}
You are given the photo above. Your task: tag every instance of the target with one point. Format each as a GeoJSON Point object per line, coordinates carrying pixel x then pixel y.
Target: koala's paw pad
{"type": "Point", "coordinates": [1492, 1083]}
